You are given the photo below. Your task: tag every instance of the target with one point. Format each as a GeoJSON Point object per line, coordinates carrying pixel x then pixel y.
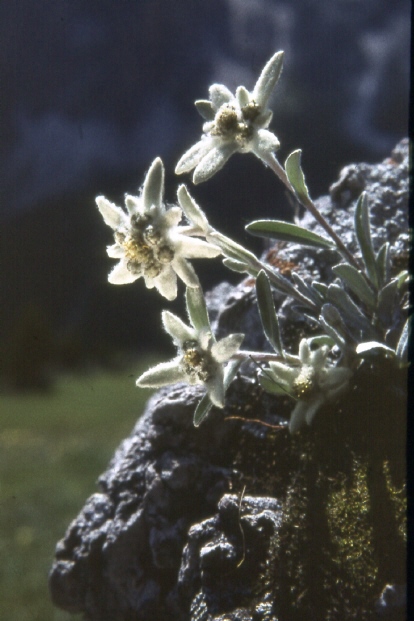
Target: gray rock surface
{"type": "Point", "coordinates": [238, 521]}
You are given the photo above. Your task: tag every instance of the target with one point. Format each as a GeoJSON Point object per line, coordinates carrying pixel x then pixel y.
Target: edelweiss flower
{"type": "Point", "coordinates": [200, 357]}
{"type": "Point", "coordinates": [313, 382]}
{"type": "Point", "coordinates": [148, 240]}
{"type": "Point", "coordinates": [234, 123]}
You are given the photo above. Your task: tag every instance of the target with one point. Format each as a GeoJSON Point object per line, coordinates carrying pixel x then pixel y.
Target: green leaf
{"type": "Point", "coordinates": [402, 346]}
{"type": "Point", "coordinates": [363, 234]}
{"type": "Point", "coordinates": [204, 406]}
{"type": "Point", "coordinates": [388, 301]}
{"type": "Point", "coordinates": [332, 322]}
{"type": "Point", "coordinates": [197, 309]}
{"type": "Point", "coordinates": [356, 283]}
{"type": "Point", "coordinates": [296, 176]}
{"type": "Point", "coordinates": [373, 348]}
{"type": "Point", "coordinates": [307, 290]}
{"type": "Point", "coordinates": [202, 410]}
{"type": "Point", "coordinates": [383, 263]}
{"type": "Point", "coordinates": [321, 289]}
{"type": "Point", "coordinates": [402, 278]}
{"type": "Point", "coordinates": [286, 231]}
{"type": "Point", "coordinates": [235, 266]}
{"type": "Point", "coordinates": [351, 313]}
{"type": "Point", "coordinates": [267, 312]}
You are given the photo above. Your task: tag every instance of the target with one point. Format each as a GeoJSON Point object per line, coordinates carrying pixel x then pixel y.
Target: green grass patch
{"type": "Point", "coordinates": [53, 447]}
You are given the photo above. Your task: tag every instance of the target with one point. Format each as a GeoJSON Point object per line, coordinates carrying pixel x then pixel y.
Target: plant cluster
{"type": "Point", "coordinates": [361, 315]}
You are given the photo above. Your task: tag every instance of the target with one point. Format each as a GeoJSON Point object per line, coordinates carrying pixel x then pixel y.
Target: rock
{"type": "Point", "coordinates": [243, 521]}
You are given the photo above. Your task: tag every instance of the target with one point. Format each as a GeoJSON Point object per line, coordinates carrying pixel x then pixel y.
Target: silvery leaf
{"type": "Point", "coordinates": [373, 348]}
{"type": "Point", "coordinates": [321, 289]}
{"type": "Point", "coordinates": [332, 322]}
{"type": "Point", "coordinates": [267, 312]}
{"type": "Point", "coordinates": [235, 266]}
{"type": "Point", "coordinates": [353, 316]}
{"type": "Point", "coordinates": [307, 290]}
{"type": "Point", "coordinates": [286, 231]}
{"type": "Point", "coordinates": [363, 233]}
{"type": "Point", "coordinates": [383, 262]}
{"type": "Point", "coordinates": [402, 346]}
{"type": "Point", "coordinates": [296, 176]}
{"type": "Point", "coordinates": [356, 283]}
{"type": "Point", "coordinates": [387, 301]}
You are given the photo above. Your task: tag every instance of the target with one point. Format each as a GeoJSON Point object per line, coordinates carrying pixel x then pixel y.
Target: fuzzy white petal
{"type": "Point", "coordinates": [193, 212]}
{"type": "Point", "coordinates": [133, 204]}
{"type": "Point", "coordinates": [219, 95]}
{"type": "Point", "coordinates": [166, 283]}
{"type": "Point", "coordinates": [318, 357]}
{"type": "Point", "coordinates": [205, 338]}
{"type": "Point", "coordinates": [304, 352]}
{"type": "Point", "coordinates": [298, 417]}
{"type": "Point", "coordinates": [121, 275]}
{"type": "Point", "coordinates": [192, 157]}
{"type": "Point", "coordinates": [205, 109]}
{"type": "Point", "coordinates": [194, 248]}
{"type": "Point", "coordinates": [224, 349]}
{"type": "Point", "coordinates": [274, 386]}
{"type": "Point", "coordinates": [267, 79]}
{"type": "Point", "coordinates": [312, 408]}
{"type": "Point", "coordinates": [215, 389]}
{"type": "Point", "coordinates": [176, 328]}
{"type": "Point", "coordinates": [153, 190]}
{"type": "Point", "coordinates": [185, 271]}
{"type": "Point", "coordinates": [162, 374]}
{"type": "Point", "coordinates": [264, 142]}
{"type": "Point", "coordinates": [264, 118]}
{"type": "Point", "coordinates": [115, 251]}
{"type": "Point", "coordinates": [213, 161]}
{"type": "Point", "coordinates": [242, 96]}
{"type": "Point", "coordinates": [149, 282]}
{"type": "Point", "coordinates": [336, 377]}
{"type": "Point", "coordinates": [113, 215]}
{"type": "Point", "coordinates": [283, 373]}
{"type": "Point", "coordinates": [172, 217]}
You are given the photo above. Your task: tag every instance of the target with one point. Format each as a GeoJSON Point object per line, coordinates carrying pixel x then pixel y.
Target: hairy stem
{"type": "Point", "coordinates": [308, 204]}
{"type": "Point", "coordinates": [253, 265]}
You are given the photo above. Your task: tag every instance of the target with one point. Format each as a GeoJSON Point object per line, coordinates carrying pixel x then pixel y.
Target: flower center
{"type": "Point", "coordinates": [304, 385]}
{"type": "Point", "coordinates": [196, 362]}
{"type": "Point", "coordinates": [145, 248]}
{"type": "Point", "coordinates": [229, 124]}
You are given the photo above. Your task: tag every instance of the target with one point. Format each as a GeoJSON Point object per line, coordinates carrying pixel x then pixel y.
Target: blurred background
{"type": "Point", "coordinates": [92, 91]}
